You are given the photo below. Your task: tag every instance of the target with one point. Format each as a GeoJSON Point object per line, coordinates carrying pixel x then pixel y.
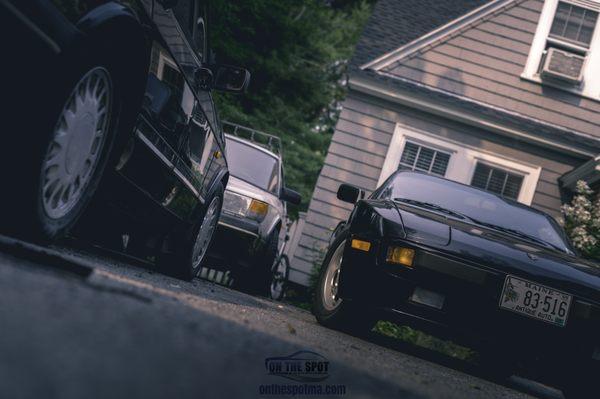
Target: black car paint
{"type": "Point", "coordinates": [170, 153]}
{"type": "Point", "coordinates": [468, 263]}
{"type": "Point", "coordinates": [475, 244]}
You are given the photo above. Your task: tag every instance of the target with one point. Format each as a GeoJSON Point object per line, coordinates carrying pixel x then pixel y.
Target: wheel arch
{"type": "Point", "coordinates": [116, 31]}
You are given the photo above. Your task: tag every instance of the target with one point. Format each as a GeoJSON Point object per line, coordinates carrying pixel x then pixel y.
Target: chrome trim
{"type": "Point", "coordinates": [229, 226]}
{"type": "Point", "coordinates": [169, 164]}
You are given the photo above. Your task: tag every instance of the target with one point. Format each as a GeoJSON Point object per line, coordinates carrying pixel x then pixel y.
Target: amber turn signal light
{"type": "Point", "coordinates": [402, 256]}
{"type": "Point", "coordinates": [361, 245]}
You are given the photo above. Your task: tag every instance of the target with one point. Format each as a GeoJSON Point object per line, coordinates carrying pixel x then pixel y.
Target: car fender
{"type": "Point", "coordinates": [221, 177]}
{"type": "Point", "coordinates": [118, 32]}
{"type": "Point", "coordinates": [117, 27]}
{"type": "Point", "coordinates": [107, 12]}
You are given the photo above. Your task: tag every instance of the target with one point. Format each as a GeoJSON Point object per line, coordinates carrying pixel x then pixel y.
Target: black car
{"type": "Point", "coordinates": [108, 114]}
{"type": "Point", "coordinates": [467, 264]}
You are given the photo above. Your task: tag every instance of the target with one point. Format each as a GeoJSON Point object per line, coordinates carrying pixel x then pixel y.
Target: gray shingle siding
{"type": "Point", "coordinates": [496, 52]}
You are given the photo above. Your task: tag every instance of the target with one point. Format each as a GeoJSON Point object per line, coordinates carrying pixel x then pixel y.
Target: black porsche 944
{"type": "Point", "coordinates": [464, 263]}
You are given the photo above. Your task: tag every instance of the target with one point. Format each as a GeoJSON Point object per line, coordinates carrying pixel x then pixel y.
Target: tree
{"type": "Point", "coordinates": [582, 220]}
{"type": "Point", "coordinates": [297, 52]}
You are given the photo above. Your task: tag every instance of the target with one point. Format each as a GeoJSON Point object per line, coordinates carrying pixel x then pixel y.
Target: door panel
{"type": "Point", "coordinates": [200, 145]}
{"type": "Point", "coordinates": [155, 165]}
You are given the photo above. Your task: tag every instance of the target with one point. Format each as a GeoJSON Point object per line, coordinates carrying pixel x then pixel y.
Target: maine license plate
{"type": "Point", "coordinates": [535, 300]}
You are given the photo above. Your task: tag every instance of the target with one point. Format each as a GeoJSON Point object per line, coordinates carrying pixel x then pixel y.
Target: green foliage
{"type": "Point", "coordinates": [297, 52]}
{"type": "Point", "coordinates": [419, 338]}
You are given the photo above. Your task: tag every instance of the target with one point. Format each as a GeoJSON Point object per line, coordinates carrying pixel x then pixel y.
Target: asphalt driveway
{"type": "Point", "coordinates": [77, 325]}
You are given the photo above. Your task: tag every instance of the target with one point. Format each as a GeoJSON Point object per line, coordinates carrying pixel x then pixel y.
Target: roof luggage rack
{"type": "Point", "coordinates": [265, 140]}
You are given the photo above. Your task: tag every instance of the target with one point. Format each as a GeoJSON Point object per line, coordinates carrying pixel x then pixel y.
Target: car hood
{"type": "Point", "coordinates": [501, 252]}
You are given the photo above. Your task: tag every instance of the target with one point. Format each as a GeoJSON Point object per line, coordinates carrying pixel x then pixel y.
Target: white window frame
{"type": "Point", "coordinates": [427, 145]}
{"type": "Point", "coordinates": [590, 86]}
{"type": "Point", "coordinates": [463, 159]}
{"type": "Point", "coordinates": [164, 59]}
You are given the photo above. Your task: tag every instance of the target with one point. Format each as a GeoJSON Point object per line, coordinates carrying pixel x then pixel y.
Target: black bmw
{"type": "Point", "coordinates": [109, 128]}
{"type": "Point", "coordinates": [463, 263]}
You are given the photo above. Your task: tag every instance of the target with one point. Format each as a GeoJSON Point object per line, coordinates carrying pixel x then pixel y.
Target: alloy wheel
{"type": "Point", "coordinates": [331, 300]}
{"type": "Point", "coordinates": [76, 143]}
{"type": "Point", "coordinates": [278, 278]}
{"type": "Point", "coordinates": [205, 233]}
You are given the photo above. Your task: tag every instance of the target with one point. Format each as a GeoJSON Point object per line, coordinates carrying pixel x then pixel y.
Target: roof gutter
{"type": "Point", "coordinates": [395, 96]}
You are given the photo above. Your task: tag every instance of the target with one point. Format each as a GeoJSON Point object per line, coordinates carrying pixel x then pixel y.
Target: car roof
{"type": "Point", "coordinates": [252, 144]}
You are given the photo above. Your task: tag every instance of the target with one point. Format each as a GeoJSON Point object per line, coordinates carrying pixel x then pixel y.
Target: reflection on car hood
{"type": "Point", "coordinates": [502, 252]}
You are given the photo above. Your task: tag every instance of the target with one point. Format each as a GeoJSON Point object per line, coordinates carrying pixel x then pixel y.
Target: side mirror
{"type": "Point", "coordinates": [349, 193]}
{"type": "Point", "coordinates": [291, 196]}
{"type": "Point", "coordinates": [231, 79]}
{"type": "Point", "coordinates": [168, 4]}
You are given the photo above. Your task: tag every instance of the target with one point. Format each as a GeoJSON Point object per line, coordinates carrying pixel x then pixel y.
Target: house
{"type": "Point", "coordinates": [503, 95]}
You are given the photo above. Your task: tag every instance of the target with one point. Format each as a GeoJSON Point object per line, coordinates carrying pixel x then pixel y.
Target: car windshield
{"type": "Point", "coordinates": [481, 207]}
{"type": "Point", "coordinates": [253, 165]}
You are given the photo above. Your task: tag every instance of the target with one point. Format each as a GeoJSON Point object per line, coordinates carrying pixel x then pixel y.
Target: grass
{"type": "Point", "coordinates": [423, 340]}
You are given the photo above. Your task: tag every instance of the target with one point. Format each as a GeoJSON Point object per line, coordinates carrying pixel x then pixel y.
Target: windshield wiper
{"type": "Point", "coordinates": [433, 207]}
{"type": "Point", "coordinates": [519, 234]}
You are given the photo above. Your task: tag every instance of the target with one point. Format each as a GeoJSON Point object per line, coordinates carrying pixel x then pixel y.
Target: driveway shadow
{"type": "Point", "coordinates": [514, 382]}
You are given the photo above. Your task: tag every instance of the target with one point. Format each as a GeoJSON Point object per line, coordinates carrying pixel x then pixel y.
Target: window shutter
{"type": "Point", "coordinates": [497, 181]}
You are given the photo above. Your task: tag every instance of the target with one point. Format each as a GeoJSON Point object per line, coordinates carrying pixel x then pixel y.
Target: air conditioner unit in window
{"type": "Point", "coordinates": [563, 65]}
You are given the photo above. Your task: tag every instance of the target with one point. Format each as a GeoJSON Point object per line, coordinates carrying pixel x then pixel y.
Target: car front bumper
{"type": "Point", "coordinates": [470, 313]}
{"type": "Point", "coordinates": [237, 241]}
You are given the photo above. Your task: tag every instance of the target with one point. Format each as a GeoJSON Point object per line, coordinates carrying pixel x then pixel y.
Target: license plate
{"type": "Point", "coordinates": [536, 301]}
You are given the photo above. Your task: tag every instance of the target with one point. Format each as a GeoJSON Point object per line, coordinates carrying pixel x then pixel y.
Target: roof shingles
{"type": "Point", "coordinates": [398, 22]}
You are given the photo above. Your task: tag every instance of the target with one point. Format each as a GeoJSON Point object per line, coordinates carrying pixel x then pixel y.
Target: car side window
{"type": "Point", "coordinates": [191, 16]}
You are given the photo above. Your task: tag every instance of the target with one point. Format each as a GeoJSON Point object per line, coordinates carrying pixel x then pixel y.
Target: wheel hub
{"type": "Point", "coordinates": [76, 144]}
{"type": "Point", "coordinates": [331, 300]}
{"type": "Point", "coordinates": [205, 233]}
{"type": "Point", "coordinates": [79, 145]}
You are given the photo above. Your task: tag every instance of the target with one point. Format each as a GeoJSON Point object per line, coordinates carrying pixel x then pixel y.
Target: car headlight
{"type": "Point", "coordinates": [242, 206]}
{"type": "Point", "coordinates": [401, 256]}
{"type": "Point", "coordinates": [258, 210]}
{"type": "Point", "coordinates": [235, 204]}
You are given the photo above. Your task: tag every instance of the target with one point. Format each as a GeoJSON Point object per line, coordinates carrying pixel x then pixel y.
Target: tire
{"type": "Point", "coordinates": [279, 277]}
{"type": "Point", "coordinates": [64, 165]}
{"type": "Point", "coordinates": [257, 279]}
{"type": "Point", "coordinates": [188, 257]}
{"type": "Point", "coordinates": [334, 312]}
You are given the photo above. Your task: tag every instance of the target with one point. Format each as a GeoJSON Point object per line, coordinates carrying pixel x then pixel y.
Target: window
{"type": "Point", "coordinates": [574, 23]}
{"type": "Point", "coordinates": [565, 51]}
{"type": "Point", "coordinates": [418, 157]}
{"type": "Point", "coordinates": [497, 181]}
{"type": "Point", "coordinates": [454, 160]}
